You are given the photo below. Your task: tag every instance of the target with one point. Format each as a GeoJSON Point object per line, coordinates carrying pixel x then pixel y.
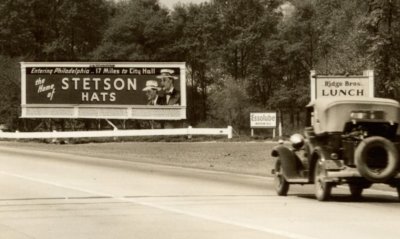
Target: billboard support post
{"type": "Point", "coordinates": [190, 132]}
{"type": "Point", "coordinates": [112, 125]}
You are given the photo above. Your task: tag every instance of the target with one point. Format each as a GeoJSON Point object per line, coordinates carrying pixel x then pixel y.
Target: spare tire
{"type": "Point", "coordinates": [376, 159]}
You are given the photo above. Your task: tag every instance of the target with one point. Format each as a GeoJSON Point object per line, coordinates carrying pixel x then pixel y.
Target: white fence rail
{"type": "Point", "coordinates": [117, 133]}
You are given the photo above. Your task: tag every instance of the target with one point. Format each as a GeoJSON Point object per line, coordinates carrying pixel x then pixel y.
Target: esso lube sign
{"type": "Point", "coordinates": [263, 120]}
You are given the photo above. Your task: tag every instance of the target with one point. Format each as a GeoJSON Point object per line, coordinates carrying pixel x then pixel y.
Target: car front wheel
{"type": "Point", "coordinates": [322, 188]}
{"type": "Point", "coordinates": [280, 183]}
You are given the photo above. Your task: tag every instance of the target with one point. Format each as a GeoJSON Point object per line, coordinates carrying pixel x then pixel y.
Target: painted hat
{"type": "Point", "coordinates": [167, 73]}
{"type": "Point", "coordinates": [151, 85]}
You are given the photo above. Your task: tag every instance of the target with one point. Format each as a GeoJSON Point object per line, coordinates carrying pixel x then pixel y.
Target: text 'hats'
{"type": "Point", "coordinates": [167, 73]}
{"type": "Point", "coordinates": [151, 85]}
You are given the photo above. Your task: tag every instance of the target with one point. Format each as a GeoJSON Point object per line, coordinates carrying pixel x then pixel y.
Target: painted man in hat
{"type": "Point", "coordinates": [151, 92]}
{"type": "Point", "coordinates": [170, 95]}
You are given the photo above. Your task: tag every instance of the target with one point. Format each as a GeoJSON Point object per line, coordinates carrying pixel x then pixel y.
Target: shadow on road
{"type": "Point", "coordinates": [370, 198]}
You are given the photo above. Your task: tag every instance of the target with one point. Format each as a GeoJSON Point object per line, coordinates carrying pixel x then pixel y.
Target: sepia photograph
{"type": "Point", "coordinates": [194, 119]}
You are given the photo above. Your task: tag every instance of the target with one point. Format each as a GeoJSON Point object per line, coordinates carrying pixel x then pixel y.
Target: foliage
{"type": "Point", "coordinates": [230, 104]}
{"type": "Point", "coordinates": [380, 29]}
{"type": "Point", "coordinates": [139, 31]}
{"type": "Point", "coordinates": [9, 91]}
{"type": "Point", "coordinates": [51, 30]}
{"type": "Point", "coordinates": [196, 43]}
{"type": "Point", "coordinates": [241, 55]}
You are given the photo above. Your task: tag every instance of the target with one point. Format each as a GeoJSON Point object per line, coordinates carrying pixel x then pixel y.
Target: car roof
{"type": "Point", "coordinates": [331, 114]}
{"type": "Point", "coordinates": [326, 102]}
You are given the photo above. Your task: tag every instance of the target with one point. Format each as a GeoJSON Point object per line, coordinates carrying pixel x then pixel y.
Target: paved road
{"type": "Point", "coordinates": [49, 195]}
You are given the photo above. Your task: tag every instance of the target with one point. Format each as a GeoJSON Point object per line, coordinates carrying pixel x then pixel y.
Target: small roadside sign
{"type": "Point", "coordinates": [263, 120]}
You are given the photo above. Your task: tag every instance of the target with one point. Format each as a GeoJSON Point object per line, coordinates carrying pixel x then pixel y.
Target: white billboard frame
{"type": "Point", "coordinates": [105, 111]}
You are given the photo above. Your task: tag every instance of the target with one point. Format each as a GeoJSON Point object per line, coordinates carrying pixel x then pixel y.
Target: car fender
{"type": "Point", "coordinates": [317, 153]}
{"type": "Point", "coordinates": [289, 161]}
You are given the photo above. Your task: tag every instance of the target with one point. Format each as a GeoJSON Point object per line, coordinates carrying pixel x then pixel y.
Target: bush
{"type": "Point", "coordinates": [229, 105]}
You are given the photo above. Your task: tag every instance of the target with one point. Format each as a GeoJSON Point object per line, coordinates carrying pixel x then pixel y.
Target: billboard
{"type": "Point", "coordinates": [263, 119]}
{"type": "Point", "coordinates": [107, 90]}
{"type": "Point", "coordinates": [334, 86]}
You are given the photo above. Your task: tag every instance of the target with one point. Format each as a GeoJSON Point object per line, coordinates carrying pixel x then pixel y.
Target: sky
{"type": "Point", "coordinates": [170, 3]}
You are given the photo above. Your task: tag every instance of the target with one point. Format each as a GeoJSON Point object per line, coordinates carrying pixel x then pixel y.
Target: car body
{"type": "Point", "coordinates": [348, 140]}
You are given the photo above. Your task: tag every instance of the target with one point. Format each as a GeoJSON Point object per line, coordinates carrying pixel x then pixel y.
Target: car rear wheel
{"type": "Point", "coordinates": [322, 188]}
{"type": "Point", "coordinates": [356, 191]}
{"type": "Point", "coordinates": [280, 183]}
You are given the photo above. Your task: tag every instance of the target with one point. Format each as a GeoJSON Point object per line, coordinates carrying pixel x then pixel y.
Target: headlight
{"type": "Point", "coordinates": [297, 141]}
{"type": "Point", "coordinates": [334, 156]}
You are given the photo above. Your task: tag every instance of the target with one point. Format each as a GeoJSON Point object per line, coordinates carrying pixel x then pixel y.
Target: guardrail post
{"type": "Point", "coordinates": [17, 134]}
{"type": "Point", "coordinates": [229, 132]}
{"type": "Point", "coordinates": [54, 140]}
{"type": "Point", "coordinates": [189, 132]}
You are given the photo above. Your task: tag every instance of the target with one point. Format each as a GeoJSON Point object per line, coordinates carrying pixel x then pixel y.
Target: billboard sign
{"type": "Point", "coordinates": [263, 119]}
{"type": "Point", "coordinates": [103, 90]}
{"type": "Point", "coordinates": [337, 86]}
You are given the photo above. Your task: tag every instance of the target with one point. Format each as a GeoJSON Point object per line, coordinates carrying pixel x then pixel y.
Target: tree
{"type": "Point", "coordinates": [289, 57]}
{"type": "Point", "coordinates": [44, 30]}
{"type": "Point", "coordinates": [196, 30]}
{"type": "Point", "coordinates": [140, 30]}
{"type": "Point", "coordinates": [244, 26]}
{"type": "Point", "coordinates": [380, 29]}
{"type": "Point", "coordinates": [9, 91]}
{"type": "Point", "coordinates": [339, 49]}
{"type": "Point", "coordinates": [51, 29]}
{"type": "Point", "coordinates": [77, 28]}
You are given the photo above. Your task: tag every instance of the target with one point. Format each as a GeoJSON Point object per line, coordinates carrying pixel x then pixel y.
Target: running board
{"type": "Point", "coordinates": [298, 180]}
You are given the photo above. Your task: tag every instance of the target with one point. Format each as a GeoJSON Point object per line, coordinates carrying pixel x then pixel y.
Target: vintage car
{"type": "Point", "coordinates": [348, 140]}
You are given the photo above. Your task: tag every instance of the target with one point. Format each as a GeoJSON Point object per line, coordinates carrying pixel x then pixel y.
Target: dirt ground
{"type": "Point", "coordinates": [239, 157]}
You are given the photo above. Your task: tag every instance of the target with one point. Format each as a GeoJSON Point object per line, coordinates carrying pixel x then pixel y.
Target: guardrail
{"type": "Point", "coordinates": [117, 133]}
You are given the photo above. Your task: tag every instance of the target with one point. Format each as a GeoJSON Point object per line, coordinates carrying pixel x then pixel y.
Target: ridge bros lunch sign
{"type": "Point", "coordinates": [334, 86]}
{"type": "Point", "coordinates": [98, 90]}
